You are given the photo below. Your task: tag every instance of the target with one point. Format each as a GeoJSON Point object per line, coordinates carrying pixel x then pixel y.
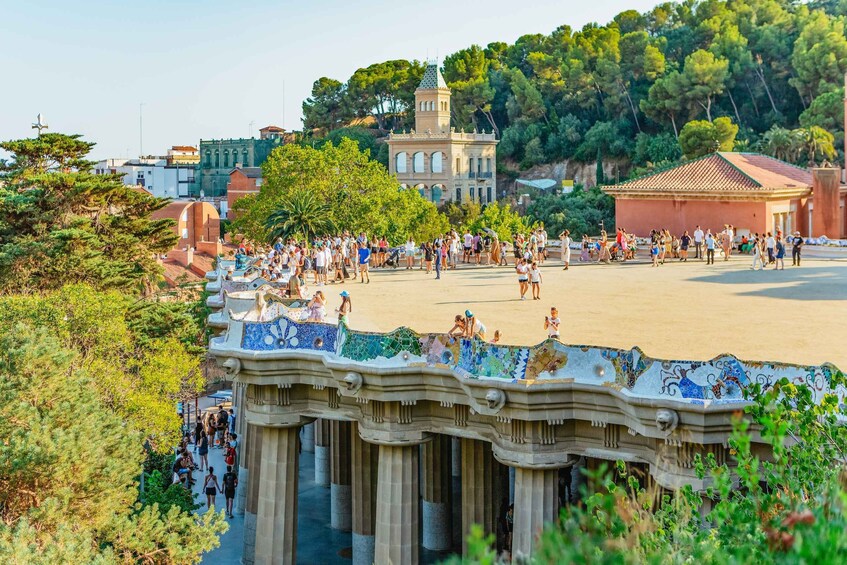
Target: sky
{"type": "Point", "coordinates": [201, 69]}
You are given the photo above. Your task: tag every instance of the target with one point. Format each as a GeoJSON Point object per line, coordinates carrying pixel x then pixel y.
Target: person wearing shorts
{"type": "Point", "coordinates": [364, 260]}
{"type": "Point", "coordinates": [211, 487]}
{"type": "Point", "coordinates": [230, 482]}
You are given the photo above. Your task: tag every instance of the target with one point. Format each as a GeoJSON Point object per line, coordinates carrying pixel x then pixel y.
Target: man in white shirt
{"type": "Point", "coordinates": [698, 243]}
{"type": "Point", "coordinates": [770, 242]}
{"type": "Point", "coordinates": [468, 245]}
{"type": "Point", "coordinates": [320, 267]}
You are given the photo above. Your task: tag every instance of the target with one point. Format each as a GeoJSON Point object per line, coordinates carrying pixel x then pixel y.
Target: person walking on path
{"type": "Point", "coordinates": [796, 245]}
{"type": "Point", "coordinates": [230, 482]}
{"type": "Point", "coordinates": [203, 450]}
{"type": "Point", "coordinates": [211, 487]}
{"type": "Point", "coordinates": [551, 323]}
{"type": "Point", "coordinates": [566, 240]}
{"type": "Point", "coordinates": [535, 280]}
{"type": "Point", "coordinates": [699, 236]}
{"type": "Point", "coordinates": [757, 255]}
{"type": "Point", "coordinates": [710, 248]}
{"type": "Point", "coordinates": [364, 259]}
{"type": "Point", "coordinates": [770, 241]}
{"type": "Point", "coordinates": [780, 255]}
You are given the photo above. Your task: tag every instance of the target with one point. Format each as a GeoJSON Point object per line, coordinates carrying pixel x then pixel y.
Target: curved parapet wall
{"type": "Point", "coordinates": [722, 379]}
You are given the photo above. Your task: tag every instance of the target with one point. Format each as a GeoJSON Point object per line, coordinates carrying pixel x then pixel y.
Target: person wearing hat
{"type": "Point", "coordinates": [345, 308]}
{"type": "Point", "coordinates": [796, 244]}
{"type": "Point", "coordinates": [229, 272]}
{"type": "Point", "coordinates": [473, 327]}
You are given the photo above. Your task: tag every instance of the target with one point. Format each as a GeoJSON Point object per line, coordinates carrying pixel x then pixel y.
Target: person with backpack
{"type": "Point", "coordinates": [230, 482]}
{"type": "Point", "coordinates": [203, 450]}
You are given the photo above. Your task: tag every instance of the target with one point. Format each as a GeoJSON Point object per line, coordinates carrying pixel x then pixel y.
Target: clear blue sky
{"type": "Point", "coordinates": [206, 69]}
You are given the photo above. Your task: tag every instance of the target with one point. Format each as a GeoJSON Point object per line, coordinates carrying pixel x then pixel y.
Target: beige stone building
{"type": "Point", "coordinates": [441, 163]}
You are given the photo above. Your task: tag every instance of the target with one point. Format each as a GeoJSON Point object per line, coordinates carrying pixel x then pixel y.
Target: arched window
{"type": "Point", "coordinates": [436, 162]}
{"type": "Point", "coordinates": [244, 159]}
{"type": "Point", "coordinates": [458, 195]}
{"type": "Point", "coordinates": [418, 162]}
{"type": "Point", "coordinates": [437, 193]}
{"type": "Point", "coordinates": [421, 188]}
{"type": "Point", "coordinates": [423, 105]}
{"type": "Point", "coordinates": [208, 158]}
{"type": "Point", "coordinates": [400, 162]}
{"type": "Point", "coordinates": [226, 158]}
{"type": "Point", "coordinates": [217, 159]}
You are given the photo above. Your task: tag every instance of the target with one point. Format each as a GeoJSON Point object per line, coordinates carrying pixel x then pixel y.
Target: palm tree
{"type": "Point", "coordinates": [816, 141]}
{"type": "Point", "coordinates": [781, 143]}
{"type": "Point", "coordinates": [300, 214]}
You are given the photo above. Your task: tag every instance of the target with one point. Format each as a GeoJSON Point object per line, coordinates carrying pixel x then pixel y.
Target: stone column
{"type": "Point", "coordinates": [322, 452]}
{"type": "Point", "coordinates": [365, 461]}
{"type": "Point", "coordinates": [456, 483]}
{"type": "Point", "coordinates": [307, 438]}
{"type": "Point", "coordinates": [340, 495]}
{"type": "Point", "coordinates": [437, 486]}
{"type": "Point", "coordinates": [536, 503]}
{"type": "Point", "coordinates": [249, 487]}
{"type": "Point", "coordinates": [477, 488]}
{"type": "Point", "coordinates": [397, 506]}
{"type": "Point", "coordinates": [276, 524]}
{"type": "Point", "coordinates": [246, 442]}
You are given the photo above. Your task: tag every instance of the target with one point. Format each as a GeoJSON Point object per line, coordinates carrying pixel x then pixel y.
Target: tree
{"type": "Point", "coordinates": [704, 77]}
{"type": "Point", "coordinates": [781, 143]}
{"type": "Point", "coordinates": [358, 193]}
{"type": "Point", "coordinates": [816, 143]}
{"type": "Point", "coordinates": [820, 56]}
{"type": "Point", "coordinates": [581, 211]}
{"type": "Point", "coordinates": [69, 466]}
{"type": "Point", "coordinates": [300, 215]}
{"type": "Point", "coordinates": [501, 219]}
{"type": "Point", "coordinates": [385, 90]}
{"type": "Point", "coordinates": [665, 100]}
{"type": "Point", "coordinates": [327, 107]}
{"type": "Point", "coordinates": [60, 224]}
{"type": "Point", "coordinates": [700, 137]}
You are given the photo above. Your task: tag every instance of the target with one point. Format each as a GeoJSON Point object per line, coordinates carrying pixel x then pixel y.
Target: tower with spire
{"type": "Point", "coordinates": [443, 164]}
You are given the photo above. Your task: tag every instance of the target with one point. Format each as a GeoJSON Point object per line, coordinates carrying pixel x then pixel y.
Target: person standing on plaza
{"type": "Point", "coordinates": [211, 487]}
{"type": "Point", "coordinates": [654, 251]}
{"type": "Point", "coordinates": [699, 236]}
{"type": "Point", "coordinates": [437, 253]}
{"type": "Point", "coordinates": [710, 248]}
{"type": "Point", "coordinates": [796, 245]}
{"type": "Point", "coordinates": [467, 246]}
{"type": "Point", "coordinates": [684, 244]}
{"type": "Point", "coordinates": [535, 280]}
{"type": "Point", "coordinates": [522, 270]}
{"type": "Point", "coordinates": [203, 450]}
{"type": "Point", "coordinates": [230, 483]}
{"type": "Point", "coordinates": [551, 323]}
{"type": "Point", "coordinates": [428, 257]}
{"type": "Point", "coordinates": [364, 259]}
{"type": "Point", "coordinates": [565, 238]}
{"type": "Point", "coordinates": [780, 255]}
{"type": "Point", "coordinates": [770, 241]}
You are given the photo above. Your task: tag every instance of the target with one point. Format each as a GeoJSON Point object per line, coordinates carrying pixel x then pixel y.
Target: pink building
{"type": "Point", "coordinates": [753, 192]}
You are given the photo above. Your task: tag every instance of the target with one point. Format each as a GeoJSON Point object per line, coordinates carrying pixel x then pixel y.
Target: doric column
{"type": "Point", "coordinates": [340, 499]}
{"type": "Point", "coordinates": [246, 441]}
{"type": "Point", "coordinates": [536, 503]}
{"type": "Point", "coordinates": [397, 505]}
{"type": "Point", "coordinates": [249, 485]}
{"type": "Point", "coordinates": [322, 452]}
{"type": "Point", "coordinates": [456, 483]}
{"type": "Point", "coordinates": [437, 486]}
{"type": "Point", "coordinates": [365, 461]}
{"type": "Point", "coordinates": [477, 488]}
{"type": "Point", "coordinates": [276, 524]}
{"type": "Point", "coordinates": [307, 438]}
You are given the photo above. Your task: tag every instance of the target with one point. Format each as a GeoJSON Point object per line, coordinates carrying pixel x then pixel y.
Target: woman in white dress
{"type": "Point", "coordinates": [566, 240]}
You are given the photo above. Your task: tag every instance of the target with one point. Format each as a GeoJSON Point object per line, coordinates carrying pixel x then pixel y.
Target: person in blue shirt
{"type": "Point", "coordinates": [364, 261]}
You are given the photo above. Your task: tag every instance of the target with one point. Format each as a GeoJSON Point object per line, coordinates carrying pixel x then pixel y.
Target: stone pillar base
{"type": "Point", "coordinates": [248, 556]}
{"type": "Point", "coordinates": [322, 465]}
{"type": "Point", "coordinates": [536, 504]}
{"type": "Point", "coordinates": [341, 507]}
{"type": "Point", "coordinates": [363, 549]}
{"type": "Point", "coordinates": [437, 534]}
{"type": "Point", "coordinates": [241, 492]}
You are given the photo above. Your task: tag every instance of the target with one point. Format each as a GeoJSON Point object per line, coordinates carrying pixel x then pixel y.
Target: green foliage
{"type": "Point", "coordinates": [300, 215]}
{"type": "Point", "coordinates": [142, 368]}
{"type": "Point", "coordinates": [500, 218]}
{"type": "Point", "coordinates": [699, 138]}
{"type": "Point", "coordinates": [581, 211]}
{"type": "Point", "coordinates": [69, 467]}
{"type": "Point", "coordinates": [61, 224]}
{"type": "Point", "coordinates": [762, 62]}
{"type": "Point", "coordinates": [347, 191]}
{"type": "Point", "coordinates": [788, 507]}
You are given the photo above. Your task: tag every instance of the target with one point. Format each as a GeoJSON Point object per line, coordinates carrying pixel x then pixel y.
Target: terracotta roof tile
{"type": "Point", "coordinates": [722, 172]}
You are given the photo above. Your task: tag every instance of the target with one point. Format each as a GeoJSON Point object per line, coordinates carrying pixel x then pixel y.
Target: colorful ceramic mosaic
{"type": "Point", "coordinates": [284, 333]}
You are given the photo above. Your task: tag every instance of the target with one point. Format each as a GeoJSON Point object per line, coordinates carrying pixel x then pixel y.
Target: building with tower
{"type": "Point", "coordinates": [442, 164]}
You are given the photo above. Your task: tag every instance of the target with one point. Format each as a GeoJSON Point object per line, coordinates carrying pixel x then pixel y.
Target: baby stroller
{"type": "Point", "coordinates": [393, 259]}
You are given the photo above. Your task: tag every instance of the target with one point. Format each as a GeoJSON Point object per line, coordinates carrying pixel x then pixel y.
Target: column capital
{"type": "Point", "coordinates": [533, 459]}
{"type": "Point", "coordinates": [394, 438]}
{"type": "Point", "coordinates": [278, 420]}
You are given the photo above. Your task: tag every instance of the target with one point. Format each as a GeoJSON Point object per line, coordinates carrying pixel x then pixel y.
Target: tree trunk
{"type": "Point", "coordinates": [752, 98]}
{"type": "Point", "coordinates": [631, 106]}
{"type": "Point", "coordinates": [673, 123]}
{"type": "Point", "coordinates": [761, 75]}
{"type": "Point", "coordinates": [490, 119]}
{"type": "Point", "coordinates": [734, 107]}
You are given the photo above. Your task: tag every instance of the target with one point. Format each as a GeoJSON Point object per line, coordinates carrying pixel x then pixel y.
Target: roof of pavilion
{"type": "Point", "coordinates": [432, 78]}
{"type": "Point", "coordinates": [721, 173]}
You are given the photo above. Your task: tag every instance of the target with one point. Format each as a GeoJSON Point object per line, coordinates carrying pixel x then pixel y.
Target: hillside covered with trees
{"type": "Point", "coordinates": [685, 78]}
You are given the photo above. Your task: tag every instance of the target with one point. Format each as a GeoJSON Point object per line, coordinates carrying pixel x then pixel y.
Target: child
{"type": "Point", "coordinates": [551, 323]}
{"type": "Point", "coordinates": [654, 253]}
{"type": "Point", "coordinates": [535, 280]}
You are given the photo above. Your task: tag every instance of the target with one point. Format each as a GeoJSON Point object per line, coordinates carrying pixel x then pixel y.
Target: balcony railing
{"type": "Point", "coordinates": [473, 175]}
